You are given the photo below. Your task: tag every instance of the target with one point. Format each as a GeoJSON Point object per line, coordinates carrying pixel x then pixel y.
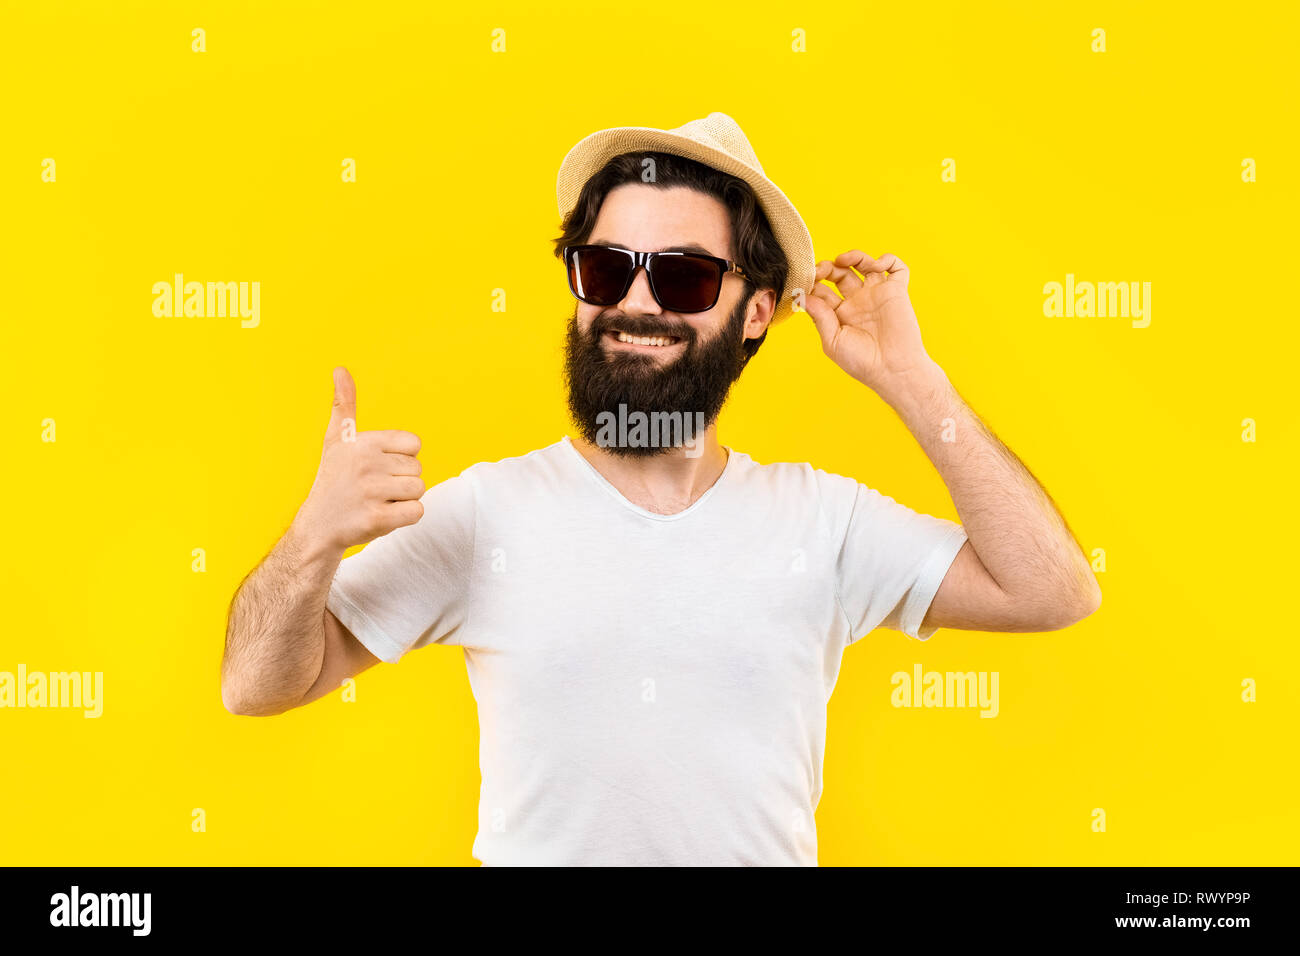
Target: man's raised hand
{"type": "Point", "coordinates": [368, 483]}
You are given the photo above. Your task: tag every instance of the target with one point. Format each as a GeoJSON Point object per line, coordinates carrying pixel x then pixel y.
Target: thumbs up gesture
{"type": "Point", "coordinates": [368, 483]}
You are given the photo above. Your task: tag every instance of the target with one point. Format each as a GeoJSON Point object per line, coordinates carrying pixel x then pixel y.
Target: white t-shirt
{"type": "Point", "coordinates": [651, 688]}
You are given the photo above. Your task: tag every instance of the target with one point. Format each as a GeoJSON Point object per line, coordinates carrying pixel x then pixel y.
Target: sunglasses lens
{"type": "Point", "coordinates": [686, 283]}
{"type": "Point", "coordinates": [598, 275]}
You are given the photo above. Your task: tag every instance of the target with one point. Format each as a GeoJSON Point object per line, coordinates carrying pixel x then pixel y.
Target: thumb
{"type": "Point", "coordinates": [345, 404]}
{"type": "Point", "coordinates": [824, 318]}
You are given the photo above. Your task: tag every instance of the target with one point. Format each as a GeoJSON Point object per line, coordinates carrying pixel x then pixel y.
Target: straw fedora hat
{"type": "Point", "coordinates": [716, 141]}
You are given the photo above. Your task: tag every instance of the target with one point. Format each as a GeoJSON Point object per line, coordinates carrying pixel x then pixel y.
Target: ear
{"type": "Point", "coordinates": [758, 314]}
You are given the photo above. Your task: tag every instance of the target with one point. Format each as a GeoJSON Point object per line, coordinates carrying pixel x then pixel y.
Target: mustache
{"type": "Point", "coordinates": [639, 326]}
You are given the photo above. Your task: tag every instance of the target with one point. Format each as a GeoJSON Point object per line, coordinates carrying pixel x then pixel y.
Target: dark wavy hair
{"type": "Point", "coordinates": [754, 244]}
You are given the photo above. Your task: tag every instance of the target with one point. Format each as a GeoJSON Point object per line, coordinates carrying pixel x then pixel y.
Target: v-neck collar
{"type": "Point", "coordinates": [618, 496]}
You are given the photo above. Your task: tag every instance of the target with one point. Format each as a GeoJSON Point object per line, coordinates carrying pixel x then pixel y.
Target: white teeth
{"type": "Point", "coordinates": [643, 339]}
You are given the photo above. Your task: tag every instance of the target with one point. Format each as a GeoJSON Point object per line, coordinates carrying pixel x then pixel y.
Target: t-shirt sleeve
{"type": "Point", "coordinates": [408, 588]}
{"type": "Point", "coordinates": [890, 559]}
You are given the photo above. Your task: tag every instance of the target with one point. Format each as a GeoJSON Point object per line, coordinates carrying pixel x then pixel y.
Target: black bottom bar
{"type": "Point", "coordinates": [1165, 906]}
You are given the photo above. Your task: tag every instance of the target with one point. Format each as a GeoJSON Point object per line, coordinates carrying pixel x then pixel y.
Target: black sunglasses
{"type": "Point", "coordinates": [679, 281]}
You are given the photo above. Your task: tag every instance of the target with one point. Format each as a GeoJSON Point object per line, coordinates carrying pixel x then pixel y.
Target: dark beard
{"type": "Point", "coordinates": [697, 381]}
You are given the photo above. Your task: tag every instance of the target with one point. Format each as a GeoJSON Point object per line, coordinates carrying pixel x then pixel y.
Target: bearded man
{"type": "Point", "coordinates": [652, 621]}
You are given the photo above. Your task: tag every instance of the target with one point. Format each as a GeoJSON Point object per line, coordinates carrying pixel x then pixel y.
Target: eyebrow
{"type": "Point", "coordinates": [688, 247]}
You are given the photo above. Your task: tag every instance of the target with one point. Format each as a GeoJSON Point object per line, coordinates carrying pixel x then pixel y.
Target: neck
{"type": "Point", "coordinates": [665, 483]}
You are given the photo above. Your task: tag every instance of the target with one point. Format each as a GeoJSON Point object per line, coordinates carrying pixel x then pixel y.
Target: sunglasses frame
{"type": "Point", "coordinates": [643, 260]}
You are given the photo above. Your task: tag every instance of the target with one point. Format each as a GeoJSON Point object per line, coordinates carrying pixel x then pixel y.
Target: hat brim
{"type": "Point", "coordinates": [591, 153]}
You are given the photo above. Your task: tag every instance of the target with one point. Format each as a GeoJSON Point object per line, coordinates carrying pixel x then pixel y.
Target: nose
{"type": "Point", "coordinates": [639, 299]}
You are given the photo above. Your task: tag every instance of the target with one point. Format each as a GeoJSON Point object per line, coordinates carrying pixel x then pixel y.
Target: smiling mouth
{"type": "Point", "coordinates": [649, 341]}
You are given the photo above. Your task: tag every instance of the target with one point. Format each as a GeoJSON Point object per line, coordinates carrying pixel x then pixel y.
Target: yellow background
{"type": "Point", "coordinates": [175, 434]}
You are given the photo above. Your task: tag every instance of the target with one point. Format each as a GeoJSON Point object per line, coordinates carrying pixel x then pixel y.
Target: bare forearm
{"type": "Point", "coordinates": [367, 485]}
{"type": "Point", "coordinates": [275, 637]}
{"type": "Point", "coordinates": [1017, 532]}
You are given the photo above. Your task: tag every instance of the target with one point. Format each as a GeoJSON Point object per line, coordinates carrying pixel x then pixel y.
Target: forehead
{"type": "Point", "coordinates": [649, 218]}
